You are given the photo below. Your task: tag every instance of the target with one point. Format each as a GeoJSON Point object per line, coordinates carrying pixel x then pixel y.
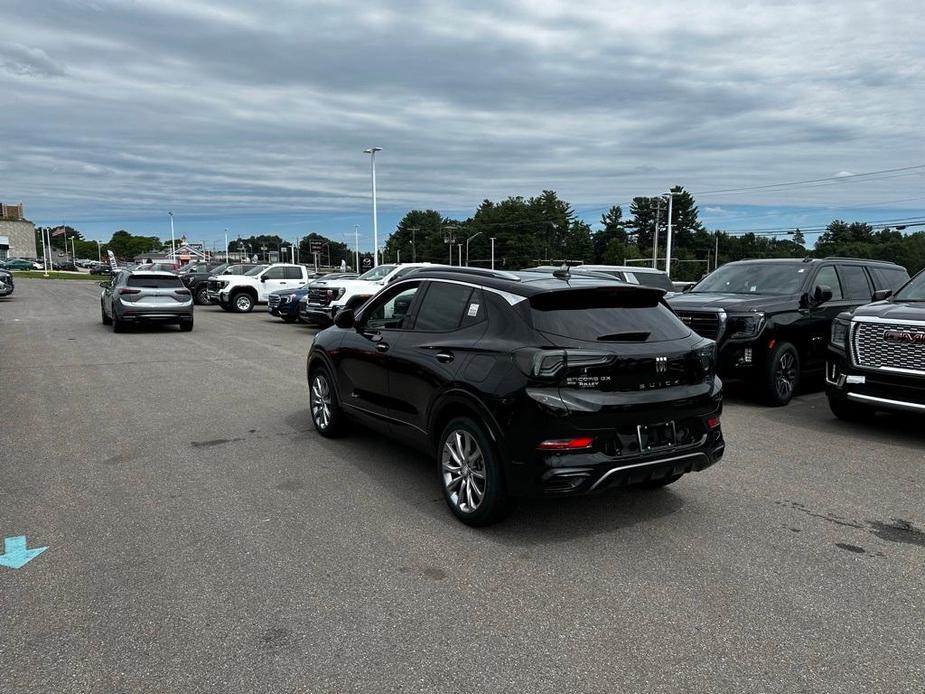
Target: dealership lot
{"type": "Point", "coordinates": [202, 537]}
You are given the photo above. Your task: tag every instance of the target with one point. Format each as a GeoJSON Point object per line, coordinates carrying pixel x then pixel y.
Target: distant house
{"type": "Point", "coordinates": [17, 234]}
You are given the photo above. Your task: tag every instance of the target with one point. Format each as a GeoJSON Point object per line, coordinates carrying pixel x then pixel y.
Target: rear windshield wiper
{"type": "Point", "coordinates": [624, 337]}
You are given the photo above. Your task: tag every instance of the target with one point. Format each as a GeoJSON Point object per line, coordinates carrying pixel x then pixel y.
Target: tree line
{"type": "Point", "coordinates": [546, 230]}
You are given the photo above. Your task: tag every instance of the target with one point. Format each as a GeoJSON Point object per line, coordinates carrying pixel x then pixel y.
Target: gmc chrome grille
{"type": "Point", "coordinates": [888, 346]}
{"type": "Point", "coordinates": [707, 324]}
{"type": "Point", "coordinates": [320, 296]}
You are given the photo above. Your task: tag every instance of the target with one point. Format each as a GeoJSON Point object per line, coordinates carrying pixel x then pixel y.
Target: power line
{"type": "Point", "coordinates": [810, 180]}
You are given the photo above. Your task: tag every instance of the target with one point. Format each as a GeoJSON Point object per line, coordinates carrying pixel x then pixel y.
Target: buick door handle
{"type": "Point", "coordinates": [382, 347]}
{"type": "Point", "coordinates": [445, 357]}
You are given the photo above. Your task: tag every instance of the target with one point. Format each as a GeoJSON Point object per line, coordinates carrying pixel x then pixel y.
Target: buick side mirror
{"type": "Point", "coordinates": [345, 319]}
{"type": "Point", "coordinates": [881, 294]}
{"type": "Point", "coordinates": [104, 285]}
{"type": "Point", "coordinates": [821, 294]}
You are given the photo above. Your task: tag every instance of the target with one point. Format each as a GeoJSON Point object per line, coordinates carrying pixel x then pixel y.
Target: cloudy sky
{"type": "Point", "coordinates": [254, 115]}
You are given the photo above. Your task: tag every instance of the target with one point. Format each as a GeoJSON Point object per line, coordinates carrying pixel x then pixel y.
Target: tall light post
{"type": "Point", "coordinates": [670, 194]}
{"type": "Point", "coordinates": [226, 245]}
{"type": "Point", "coordinates": [99, 252]}
{"type": "Point", "coordinates": [372, 167]}
{"type": "Point", "coordinates": [173, 246]}
{"type": "Point", "coordinates": [492, 239]}
{"type": "Point", "coordinates": [356, 245]}
{"type": "Point", "coordinates": [478, 233]}
{"type": "Point", "coordinates": [658, 215]}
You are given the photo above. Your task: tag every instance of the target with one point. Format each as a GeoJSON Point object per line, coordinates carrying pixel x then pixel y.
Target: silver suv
{"type": "Point", "coordinates": [134, 296]}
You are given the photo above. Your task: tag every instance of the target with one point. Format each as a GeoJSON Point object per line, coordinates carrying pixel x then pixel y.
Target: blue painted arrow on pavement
{"type": "Point", "coordinates": [17, 555]}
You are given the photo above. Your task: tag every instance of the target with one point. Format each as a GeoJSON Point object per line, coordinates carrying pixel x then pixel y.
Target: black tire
{"type": "Point", "coordinates": [201, 296]}
{"type": "Point", "coordinates": [325, 410]}
{"type": "Point", "coordinates": [242, 302]}
{"type": "Point", "coordinates": [479, 467]}
{"type": "Point", "coordinates": [849, 411]}
{"type": "Point", "coordinates": [106, 319]}
{"type": "Point", "coordinates": [289, 318]}
{"type": "Point", "coordinates": [118, 326]}
{"type": "Point", "coordinates": [782, 374]}
{"type": "Point", "coordinates": [186, 325]}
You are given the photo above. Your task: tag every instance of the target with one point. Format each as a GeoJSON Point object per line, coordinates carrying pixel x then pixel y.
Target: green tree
{"type": "Point", "coordinates": [613, 228]}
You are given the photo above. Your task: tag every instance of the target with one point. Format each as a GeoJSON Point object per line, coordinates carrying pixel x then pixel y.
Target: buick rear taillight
{"type": "Point", "coordinates": [713, 422]}
{"type": "Point", "coordinates": [551, 363]}
{"type": "Point", "coordinates": [576, 444]}
{"type": "Point", "coordinates": [184, 292]}
{"type": "Point", "coordinates": [126, 290]}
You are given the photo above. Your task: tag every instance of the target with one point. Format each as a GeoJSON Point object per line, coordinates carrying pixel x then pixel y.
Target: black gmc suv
{"type": "Point", "coordinates": [523, 383]}
{"type": "Point", "coordinates": [877, 355]}
{"type": "Point", "coordinates": [771, 318]}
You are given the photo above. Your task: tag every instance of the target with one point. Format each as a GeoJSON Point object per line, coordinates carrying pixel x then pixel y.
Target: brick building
{"type": "Point", "coordinates": [17, 234]}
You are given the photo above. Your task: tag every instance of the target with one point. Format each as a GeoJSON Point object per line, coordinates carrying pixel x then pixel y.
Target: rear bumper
{"type": "Point", "coordinates": [874, 388]}
{"type": "Point", "coordinates": [617, 456]}
{"type": "Point", "coordinates": [154, 313]}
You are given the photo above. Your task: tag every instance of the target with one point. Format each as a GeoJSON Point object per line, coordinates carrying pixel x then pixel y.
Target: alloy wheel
{"type": "Point", "coordinates": [321, 402]}
{"type": "Point", "coordinates": [785, 375]}
{"type": "Point", "coordinates": [463, 468]}
{"type": "Point", "coordinates": [243, 303]}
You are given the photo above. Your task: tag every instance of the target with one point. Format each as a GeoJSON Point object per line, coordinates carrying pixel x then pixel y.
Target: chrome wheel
{"type": "Point", "coordinates": [463, 467]}
{"type": "Point", "coordinates": [785, 376]}
{"type": "Point", "coordinates": [321, 402]}
{"type": "Point", "coordinates": [243, 303]}
{"type": "Point", "coordinates": [202, 296]}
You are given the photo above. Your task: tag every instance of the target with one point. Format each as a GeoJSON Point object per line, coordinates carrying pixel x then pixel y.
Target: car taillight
{"type": "Point", "coordinates": [566, 444]}
{"type": "Point", "coordinates": [550, 363]}
{"type": "Point", "coordinates": [713, 422]}
{"type": "Point", "coordinates": [126, 290]}
{"type": "Point", "coordinates": [181, 291]}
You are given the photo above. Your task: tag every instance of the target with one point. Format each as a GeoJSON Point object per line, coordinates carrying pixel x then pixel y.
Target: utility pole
{"type": "Point", "coordinates": [449, 238]}
{"type": "Point", "coordinates": [226, 245]}
{"type": "Point", "coordinates": [492, 239]}
{"type": "Point", "coordinates": [715, 251]}
{"type": "Point", "coordinates": [459, 254]}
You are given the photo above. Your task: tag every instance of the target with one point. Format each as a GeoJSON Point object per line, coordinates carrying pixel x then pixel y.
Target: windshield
{"type": "Point", "coordinates": [256, 270]}
{"type": "Point", "coordinates": [914, 290]}
{"type": "Point", "coordinates": [754, 278]}
{"type": "Point", "coordinates": [219, 269]}
{"type": "Point", "coordinates": [377, 273]}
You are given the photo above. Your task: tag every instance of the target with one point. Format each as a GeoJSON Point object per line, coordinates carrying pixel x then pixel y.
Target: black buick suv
{"type": "Point", "coordinates": [877, 355]}
{"type": "Point", "coordinates": [523, 383]}
{"type": "Point", "coordinates": [771, 318]}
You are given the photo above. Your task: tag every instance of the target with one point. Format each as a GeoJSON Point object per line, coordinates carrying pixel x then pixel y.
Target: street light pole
{"type": "Point", "coordinates": [99, 252]}
{"type": "Point", "coordinates": [670, 194]}
{"type": "Point", "coordinates": [372, 165]}
{"type": "Point", "coordinates": [226, 245]}
{"type": "Point", "coordinates": [467, 245]}
{"type": "Point", "coordinates": [658, 214]}
{"type": "Point", "coordinates": [492, 239]}
{"type": "Point", "coordinates": [173, 246]}
{"type": "Point", "coordinates": [414, 245]}
{"type": "Point", "coordinates": [356, 245]}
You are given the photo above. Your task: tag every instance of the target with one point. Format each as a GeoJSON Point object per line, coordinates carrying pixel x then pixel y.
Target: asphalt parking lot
{"type": "Point", "coordinates": [202, 538]}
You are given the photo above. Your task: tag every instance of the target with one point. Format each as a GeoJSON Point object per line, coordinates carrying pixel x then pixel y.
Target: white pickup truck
{"type": "Point", "coordinates": [326, 298]}
{"type": "Point", "coordinates": [241, 292]}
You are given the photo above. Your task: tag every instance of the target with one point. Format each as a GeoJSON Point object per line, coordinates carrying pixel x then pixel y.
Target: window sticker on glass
{"type": "Point", "coordinates": [753, 289]}
{"type": "Point", "coordinates": [801, 271]}
{"type": "Point", "coordinates": [473, 310]}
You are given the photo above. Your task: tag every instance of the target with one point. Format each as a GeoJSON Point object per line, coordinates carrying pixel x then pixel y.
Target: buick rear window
{"type": "Point", "coordinates": [154, 282]}
{"type": "Point", "coordinates": [606, 316]}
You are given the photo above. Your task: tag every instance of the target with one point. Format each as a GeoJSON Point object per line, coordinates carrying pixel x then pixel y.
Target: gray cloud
{"type": "Point", "coordinates": [242, 106]}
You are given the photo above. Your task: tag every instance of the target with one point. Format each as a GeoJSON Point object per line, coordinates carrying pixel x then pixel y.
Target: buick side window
{"type": "Point", "coordinates": [391, 313]}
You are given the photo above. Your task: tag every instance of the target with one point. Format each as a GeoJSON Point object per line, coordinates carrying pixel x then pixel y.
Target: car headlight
{"type": "Point", "coordinates": [744, 325]}
{"type": "Point", "coordinates": [839, 336]}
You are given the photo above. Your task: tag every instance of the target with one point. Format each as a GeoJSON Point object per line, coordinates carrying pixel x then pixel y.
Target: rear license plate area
{"type": "Point", "coordinates": [654, 437]}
